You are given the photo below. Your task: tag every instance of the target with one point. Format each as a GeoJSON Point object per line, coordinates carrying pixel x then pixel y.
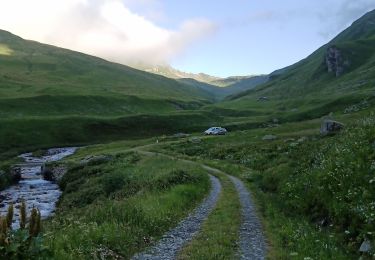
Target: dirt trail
{"type": "Point", "coordinates": [173, 241]}
{"type": "Point", "coordinates": [252, 241]}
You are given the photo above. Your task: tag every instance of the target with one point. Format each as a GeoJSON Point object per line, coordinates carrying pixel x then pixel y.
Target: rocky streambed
{"type": "Point", "coordinates": [32, 188]}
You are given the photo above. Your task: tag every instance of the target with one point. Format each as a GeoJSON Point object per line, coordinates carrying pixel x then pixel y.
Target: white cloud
{"type": "Point", "coordinates": [105, 28]}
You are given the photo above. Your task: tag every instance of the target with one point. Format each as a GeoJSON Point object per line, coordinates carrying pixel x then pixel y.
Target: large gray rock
{"type": "Point", "coordinates": [330, 127]}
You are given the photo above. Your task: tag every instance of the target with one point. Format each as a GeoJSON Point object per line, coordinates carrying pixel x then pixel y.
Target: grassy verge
{"type": "Point", "coordinates": [219, 235]}
{"type": "Point", "coordinates": [119, 206]}
{"type": "Point", "coordinates": [314, 193]}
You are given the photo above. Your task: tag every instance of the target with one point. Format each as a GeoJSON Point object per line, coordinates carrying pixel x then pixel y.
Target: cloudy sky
{"type": "Point", "coordinates": [218, 37]}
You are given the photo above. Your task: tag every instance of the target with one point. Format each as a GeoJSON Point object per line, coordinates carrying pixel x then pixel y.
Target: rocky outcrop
{"type": "Point", "coordinates": [335, 61]}
{"type": "Point", "coordinates": [330, 127]}
{"type": "Point", "coordinates": [54, 172]}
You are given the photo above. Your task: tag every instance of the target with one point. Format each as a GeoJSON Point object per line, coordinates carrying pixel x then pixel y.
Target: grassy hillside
{"type": "Point", "coordinates": [30, 69]}
{"type": "Point", "coordinates": [308, 88]}
{"type": "Point", "coordinates": [52, 96]}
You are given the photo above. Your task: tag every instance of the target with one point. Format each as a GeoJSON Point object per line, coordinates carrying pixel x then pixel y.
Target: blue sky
{"type": "Point", "coordinates": [255, 36]}
{"type": "Point", "coordinates": [221, 38]}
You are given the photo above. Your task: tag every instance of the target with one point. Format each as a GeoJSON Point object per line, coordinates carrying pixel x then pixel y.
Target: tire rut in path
{"type": "Point", "coordinates": [174, 240]}
{"type": "Point", "coordinates": [252, 241]}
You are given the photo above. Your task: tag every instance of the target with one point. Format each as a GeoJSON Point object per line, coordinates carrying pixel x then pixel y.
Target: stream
{"type": "Point", "coordinates": [32, 188]}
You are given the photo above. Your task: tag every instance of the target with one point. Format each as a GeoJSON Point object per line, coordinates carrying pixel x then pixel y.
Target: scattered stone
{"type": "Point", "coordinates": [32, 187]}
{"type": "Point", "coordinates": [195, 140]}
{"type": "Point", "coordinates": [365, 246]}
{"type": "Point", "coordinates": [302, 139]}
{"type": "Point", "coordinates": [289, 140]}
{"type": "Point", "coordinates": [180, 135]}
{"type": "Point", "coordinates": [275, 121]}
{"type": "Point", "coordinates": [269, 137]}
{"type": "Point", "coordinates": [330, 127]}
{"type": "Point", "coordinates": [263, 99]}
{"type": "Point", "coordinates": [106, 253]}
{"type": "Point", "coordinates": [357, 107]}
{"type": "Point", "coordinates": [293, 144]}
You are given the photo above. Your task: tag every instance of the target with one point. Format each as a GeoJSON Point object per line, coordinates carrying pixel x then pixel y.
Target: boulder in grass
{"type": "Point", "coordinates": [269, 137]}
{"type": "Point", "coordinates": [330, 127]}
{"type": "Point", "coordinates": [365, 247]}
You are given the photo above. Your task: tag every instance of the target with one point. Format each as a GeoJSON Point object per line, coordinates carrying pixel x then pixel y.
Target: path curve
{"type": "Point", "coordinates": [174, 240]}
{"type": "Point", "coordinates": [252, 241]}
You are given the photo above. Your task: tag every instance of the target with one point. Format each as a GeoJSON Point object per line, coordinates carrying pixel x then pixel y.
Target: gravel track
{"type": "Point", "coordinates": [173, 241]}
{"type": "Point", "coordinates": [252, 241]}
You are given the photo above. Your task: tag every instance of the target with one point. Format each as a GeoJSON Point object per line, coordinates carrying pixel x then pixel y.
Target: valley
{"type": "Point", "coordinates": [144, 182]}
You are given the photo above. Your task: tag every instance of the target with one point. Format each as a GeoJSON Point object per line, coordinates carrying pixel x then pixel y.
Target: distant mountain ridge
{"type": "Point", "coordinates": [218, 87]}
{"type": "Point", "coordinates": [170, 72]}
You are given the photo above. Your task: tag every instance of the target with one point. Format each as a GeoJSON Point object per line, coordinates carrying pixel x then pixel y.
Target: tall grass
{"type": "Point", "coordinates": [121, 206]}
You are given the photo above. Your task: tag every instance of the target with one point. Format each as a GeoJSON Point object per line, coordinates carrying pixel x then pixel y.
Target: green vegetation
{"type": "Point", "coordinates": [57, 97]}
{"type": "Point", "coordinates": [26, 242]}
{"type": "Point", "coordinates": [219, 236]}
{"type": "Point", "coordinates": [124, 197]}
{"type": "Point", "coordinates": [314, 193]}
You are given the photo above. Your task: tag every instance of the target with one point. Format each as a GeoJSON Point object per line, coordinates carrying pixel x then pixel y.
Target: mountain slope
{"type": "Point", "coordinates": [337, 75]}
{"type": "Point", "coordinates": [30, 70]}
{"type": "Point", "coordinates": [51, 96]}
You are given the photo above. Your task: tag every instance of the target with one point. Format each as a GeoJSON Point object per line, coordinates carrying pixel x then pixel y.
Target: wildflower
{"type": "Point", "coordinates": [293, 254]}
{"type": "Point", "coordinates": [347, 232]}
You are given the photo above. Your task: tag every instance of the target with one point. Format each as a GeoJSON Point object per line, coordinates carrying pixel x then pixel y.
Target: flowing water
{"type": "Point", "coordinates": [32, 188]}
